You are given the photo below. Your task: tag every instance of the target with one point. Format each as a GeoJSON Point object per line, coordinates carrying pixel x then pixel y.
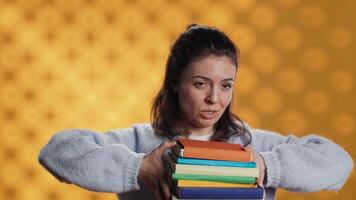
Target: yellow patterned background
{"type": "Point", "coordinates": [98, 64]}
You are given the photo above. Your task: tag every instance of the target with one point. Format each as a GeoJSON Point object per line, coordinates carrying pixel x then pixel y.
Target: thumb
{"type": "Point", "coordinates": [248, 149]}
{"type": "Point", "coordinates": [166, 145]}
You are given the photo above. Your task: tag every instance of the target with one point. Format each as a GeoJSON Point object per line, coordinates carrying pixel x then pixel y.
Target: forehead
{"type": "Point", "coordinates": [214, 67]}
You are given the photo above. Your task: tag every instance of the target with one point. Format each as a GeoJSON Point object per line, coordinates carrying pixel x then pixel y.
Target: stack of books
{"type": "Point", "coordinates": [212, 170]}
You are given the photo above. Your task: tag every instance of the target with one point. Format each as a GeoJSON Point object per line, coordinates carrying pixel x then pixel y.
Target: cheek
{"type": "Point", "coordinates": [226, 99]}
{"type": "Point", "coordinates": [190, 100]}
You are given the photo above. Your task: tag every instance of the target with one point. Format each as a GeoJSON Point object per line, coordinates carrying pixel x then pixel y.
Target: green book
{"type": "Point", "coordinates": [218, 178]}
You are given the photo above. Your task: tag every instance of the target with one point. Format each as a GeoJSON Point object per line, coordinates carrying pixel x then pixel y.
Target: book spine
{"type": "Point", "coordinates": [196, 161]}
{"type": "Point", "coordinates": [221, 193]}
{"type": "Point", "coordinates": [214, 184]}
{"type": "Point", "coordinates": [214, 170]}
{"type": "Point", "coordinates": [217, 178]}
{"type": "Point", "coordinates": [216, 154]}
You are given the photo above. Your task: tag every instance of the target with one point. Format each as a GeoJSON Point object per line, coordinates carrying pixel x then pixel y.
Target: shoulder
{"type": "Point", "coordinates": [257, 137]}
{"type": "Point", "coordinates": [141, 134]}
{"type": "Point", "coordinates": [137, 128]}
{"type": "Point", "coordinates": [140, 130]}
{"type": "Point", "coordinates": [246, 137]}
{"type": "Point", "coordinates": [147, 130]}
{"type": "Point", "coordinates": [143, 128]}
{"type": "Point", "coordinates": [257, 132]}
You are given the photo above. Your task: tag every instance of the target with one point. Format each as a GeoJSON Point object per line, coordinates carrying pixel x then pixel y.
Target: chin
{"type": "Point", "coordinates": [206, 123]}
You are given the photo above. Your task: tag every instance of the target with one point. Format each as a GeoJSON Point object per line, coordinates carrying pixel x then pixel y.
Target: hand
{"type": "Point", "coordinates": [152, 173]}
{"type": "Point", "coordinates": [260, 165]}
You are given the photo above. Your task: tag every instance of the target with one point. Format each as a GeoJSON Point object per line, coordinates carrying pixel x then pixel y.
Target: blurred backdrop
{"type": "Point", "coordinates": [98, 64]}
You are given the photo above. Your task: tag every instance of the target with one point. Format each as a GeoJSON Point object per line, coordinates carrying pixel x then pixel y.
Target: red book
{"type": "Point", "coordinates": [211, 150]}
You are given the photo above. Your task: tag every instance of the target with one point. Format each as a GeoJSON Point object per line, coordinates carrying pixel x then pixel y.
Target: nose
{"type": "Point", "coordinates": [212, 96]}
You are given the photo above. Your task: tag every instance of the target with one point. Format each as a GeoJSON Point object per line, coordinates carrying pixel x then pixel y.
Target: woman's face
{"type": "Point", "coordinates": [205, 91]}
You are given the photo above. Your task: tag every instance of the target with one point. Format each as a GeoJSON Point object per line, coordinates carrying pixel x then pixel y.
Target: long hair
{"type": "Point", "coordinates": [195, 42]}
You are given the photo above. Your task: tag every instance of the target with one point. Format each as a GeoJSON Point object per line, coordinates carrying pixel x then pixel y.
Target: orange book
{"type": "Point", "coordinates": [211, 150]}
{"type": "Point", "coordinates": [213, 184]}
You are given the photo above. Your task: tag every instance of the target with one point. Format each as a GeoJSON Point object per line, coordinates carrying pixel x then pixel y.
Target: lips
{"type": "Point", "coordinates": [208, 114]}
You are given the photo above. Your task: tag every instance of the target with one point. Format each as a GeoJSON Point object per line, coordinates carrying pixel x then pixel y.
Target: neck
{"type": "Point", "coordinates": [193, 130]}
{"type": "Point", "coordinates": [200, 131]}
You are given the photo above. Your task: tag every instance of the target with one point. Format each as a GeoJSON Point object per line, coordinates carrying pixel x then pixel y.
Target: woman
{"type": "Point", "coordinates": [194, 102]}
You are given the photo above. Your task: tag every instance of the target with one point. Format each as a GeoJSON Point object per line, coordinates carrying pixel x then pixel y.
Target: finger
{"type": "Point", "coordinates": [169, 144]}
{"type": "Point", "coordinates": [166, 145]}
{"type": "Point", "coordinates": [161, 192]}
{"type": "Point", "coordinates": [259, 182]}
{"type": "Point", "coordinates": [152, 186]}
{"type": "Point", "coordinates": [157, 195]}
{"type": "Point", "coordinates": [260, 178]}
{"type": "Point", "coordinates": [248, 149]}
{"type": "Point", "coordinates": [165, 189]}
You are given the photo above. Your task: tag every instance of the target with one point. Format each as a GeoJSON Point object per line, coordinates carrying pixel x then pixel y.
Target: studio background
{"type": "Point", "coordinates": [98, 64]}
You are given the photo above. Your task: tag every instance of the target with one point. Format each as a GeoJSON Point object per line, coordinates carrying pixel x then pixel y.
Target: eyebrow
{"type": "Point", "coordinates": [206, 78]}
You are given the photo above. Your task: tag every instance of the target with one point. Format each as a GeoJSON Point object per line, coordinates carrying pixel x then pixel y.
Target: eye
{"type": "Point", "coordinates": [199, 84]}
{"type": "Point", "coordinates": [227, 85]}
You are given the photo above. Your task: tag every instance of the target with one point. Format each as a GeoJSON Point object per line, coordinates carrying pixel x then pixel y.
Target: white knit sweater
{"type": "Point", "coordinates": [109, 162]}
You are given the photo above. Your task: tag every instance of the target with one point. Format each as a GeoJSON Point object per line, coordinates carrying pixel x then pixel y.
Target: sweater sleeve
{"type": "Point", "coordinates": [106, 162]}
{"type": "Point", "coordinates": [306, 164]}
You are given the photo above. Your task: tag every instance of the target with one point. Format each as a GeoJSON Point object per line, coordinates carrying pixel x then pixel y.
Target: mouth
{"type": "Point", "coordinates": [208, 114]}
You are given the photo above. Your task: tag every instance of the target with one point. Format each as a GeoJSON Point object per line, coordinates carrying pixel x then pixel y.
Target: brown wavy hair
{"type": "Point", "coordinates": [195, 42]}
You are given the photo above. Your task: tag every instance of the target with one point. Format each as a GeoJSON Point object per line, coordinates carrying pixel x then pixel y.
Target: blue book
{"type": "Point", "coordinates": [193, 161]}
{"type": "Point", "coordinates": [196, 161]}
{"type": "Point", "coordinates": [220, 193]}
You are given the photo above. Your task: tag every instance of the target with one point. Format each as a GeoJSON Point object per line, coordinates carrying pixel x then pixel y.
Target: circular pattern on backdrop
{"type": "Point", "coordinates": [249, 115]}
{"type": "Point", "coordinates": [316, 102]}
{"type": "Point", "coordinates": [244, 37]}
{"type": "Point", "coordinates": [343, 124]}
{"type": "Point", "coordinates": [265, 58]}
{"type": "Point", "coordinates": [314, 59]}
{"type": "Point", "coordinates": [8, 36]}
{"type": "Point", "coordinates": [264, 17]}
{"type": "Point", "coordinates": [287, 3]}
{"type": "Point", "coordinates": [339, 37]}
{"type": "Point", "coordinates": [290, 80]}
{"type": "Point", "coordinates": [288, 37]}
{"type": "Point", "coordinates": [341, 80]}
{"type": "Point", "coordinates": [267, 100]}
{"type": "Point", "coordinates": [246, 80]}
{"type": "Point", "coordinates": [9, 16]}
{"type": "Point", "coordinates": [88, 18]}
{"type": "Point", "coordinates": [293, 122]}
{"type": "Point", "coordinates": [9, 56]}
{"type": "Point", "coordinates": [9, 96]}
{"type": "Point", "coordinates": [219, 16]}
{"type": "Point", "coordinates": [241, 5]}
{"type": "Point", "coordinates": [50, 16]}
{"type": "Point", "coordinates": [312, 16]}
